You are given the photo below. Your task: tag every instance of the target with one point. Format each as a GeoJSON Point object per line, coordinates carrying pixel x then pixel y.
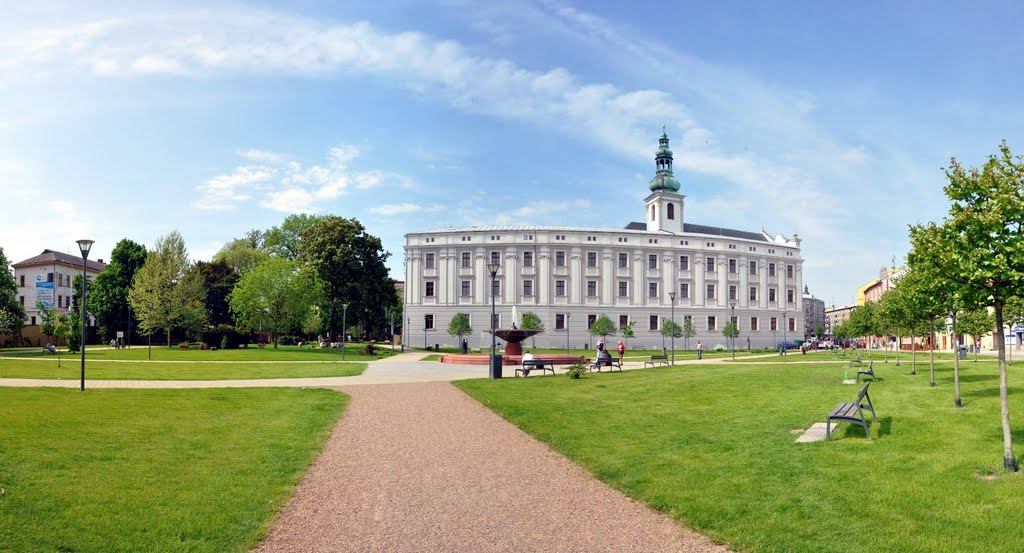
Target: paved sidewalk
{"type": "Point", "coordinates": [423, 467]}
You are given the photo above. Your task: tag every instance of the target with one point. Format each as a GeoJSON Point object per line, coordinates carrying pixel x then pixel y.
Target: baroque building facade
{"type": "Point", "coordinates": [570, 276]}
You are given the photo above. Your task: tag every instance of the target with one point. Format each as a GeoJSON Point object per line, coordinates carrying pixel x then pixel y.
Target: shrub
{"type": "Point", "coordinates": [227, 336]}
{"type": "Point", "coordinates": [223, 342]}
{"type": "Point", "coordinates": [720, 347]}
{"type": "Point", "coordinates": [183, 345]}
{"type": "Point", "coordinates": [576, 370]}
{"type": "Point", "coordinates": [371, 349]}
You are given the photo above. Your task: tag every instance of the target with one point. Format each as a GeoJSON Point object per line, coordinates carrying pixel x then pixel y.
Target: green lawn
{"type": "Point", "coordinates": [712, 446]}
{"type": "Point", "coordinates": [162, 370]}
{"type": "Point", "coordinates": [354, 352]}
{"type": "Point", "coordinates": [153, 470]}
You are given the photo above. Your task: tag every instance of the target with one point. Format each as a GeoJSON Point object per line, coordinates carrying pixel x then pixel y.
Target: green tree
{"type": "Point", "coordinates": [731, 331]}
{"type": "Point", "coordinates": [242, 254]}
{"type": "Point", "coordinates": [12, 313]}
{"type": "Point", "coordinates": [975, 323]}
{"type": "Point", "coordinates": [350, 265]}
{"type": "Point", "coordinates": [627, 331]}
{"type": "Point", "coordinates": [108, 292]}
{"type": "Point", "coordinates": [166, 293]}
{"type": "Point", "coordinates": [459, 325]}
{"type": "Point", "coordinates": [688, 331]}
{"type": "Point", "coordinates": [531, 321]}
{"type": "Point", "coordinates": [219, 280]}
{"type": "Point", "coordinates": [275, 296]}
{"type": "Point", "coordinates": [864, 322]}
{"type": "Point", "coordinates": [819, 330]}
{"type": "Point", "coordinates": [283, 241]}
{"type": "Point", "coordinates": [979, 248]}
{"type": "Point", "coordinates": [603, 327]}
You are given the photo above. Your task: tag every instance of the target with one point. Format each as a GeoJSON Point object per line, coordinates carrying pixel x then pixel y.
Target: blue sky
{"type": "Point", "coordinates": [828, 120]}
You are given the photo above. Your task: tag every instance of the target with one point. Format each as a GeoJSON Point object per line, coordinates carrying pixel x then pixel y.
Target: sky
{"type": "Point", "coordinates": [833, 121]}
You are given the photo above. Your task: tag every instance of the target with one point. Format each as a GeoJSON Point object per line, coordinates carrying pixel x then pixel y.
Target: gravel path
{"type": "Point", "coordinates": [423, 467]}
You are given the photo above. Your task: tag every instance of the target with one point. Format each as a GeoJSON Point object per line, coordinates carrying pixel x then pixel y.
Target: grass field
{"type": "Point", "coordinates": [713, 446]}
{"type": "Point", "coordinates": [153, 470]}
{"type": "Point", "coordinates": [354, 352]}
{"type": "Point", "coordinates": [174, 364]}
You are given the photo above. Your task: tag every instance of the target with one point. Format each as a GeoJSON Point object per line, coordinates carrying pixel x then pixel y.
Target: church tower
{"type": "Point", "coordinates": [665, 204]}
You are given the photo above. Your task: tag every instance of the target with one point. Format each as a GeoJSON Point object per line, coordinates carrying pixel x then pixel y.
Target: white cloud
{"type": "Point", "coordinates": [291, 200]}
{"type": "Point", "coordinates": [262, 156]}
{"type": "Point", "coordinates": [224, 191]}
{"type": "Point", "coordinates": [390, 210]}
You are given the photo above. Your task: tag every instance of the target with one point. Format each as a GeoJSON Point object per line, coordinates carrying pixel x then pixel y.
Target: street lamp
{"type": "Point", "coordinates": [391, 315]}
{"type": "Point", "coordinates": [150, 332]}
{"type": "Point", "coordinates": [732, 331]}
{"type": "Point", "coordinates": [492, 268]}
{"type": "Point", "coordinates": [785, 324]}
{"type": "Point", "coordinates": [425, 317]}
{"type": "Point", "coordinates": [567, 333]}
{"type": "Point", "coordinates": [344, 334]}
{"type": "Point", "coordinates": [672, 296]}
{"type": "Point", "coordinates": [129, 343]}
{"type": "Point", "coordinates": [84, 246]}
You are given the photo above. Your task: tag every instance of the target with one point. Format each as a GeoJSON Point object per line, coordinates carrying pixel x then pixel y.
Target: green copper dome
{"type": "Point", "coordinates": [663, 179]}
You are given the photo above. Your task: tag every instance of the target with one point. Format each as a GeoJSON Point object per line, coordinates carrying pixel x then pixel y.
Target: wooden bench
{"type": "Point", "coordinates": [535, 364]}
{"type": "Point", "coordinates": [606, 362]}
{"type": "Point", "coordinates": [655, 359]}
{"type": "Point", "coordinates": [870, 371]}
{"type": "Point", "coordinates": [852, 412]}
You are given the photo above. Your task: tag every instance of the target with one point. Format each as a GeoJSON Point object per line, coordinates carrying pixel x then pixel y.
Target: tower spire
{"type": "Point", "coordinates": [663, 178]}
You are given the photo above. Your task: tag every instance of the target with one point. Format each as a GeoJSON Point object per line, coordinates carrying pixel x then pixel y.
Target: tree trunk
{"type": "Point", "coordinates": [1004, 404]}
{"type": "Point", "coordinates": [913, 354]}
{"type": "Point", "coordinates": [886, 348]}
{"type": "Point", "coordinates": [956, 363]}
{"type": "Point", "coordinates": [899, 342]}
{"type": "Point", "coordinates": [931, 355]}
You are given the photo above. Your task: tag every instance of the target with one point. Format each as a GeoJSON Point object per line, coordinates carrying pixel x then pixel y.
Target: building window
{"type": "Point", "coordinates": [428, 322]}
{"type": "Point", "coordinates": [771, 295]}
{"type": "Point", "coordinates": [23, 282]}
{"type": "Point", "coordinates": [792, 325]}
{"type": "Point", "coordinates": [732, 293]}
{"type": "Point", "coordinates": [623, 288]}
{"type": "Point", "coordinates": [60, 299]}
{"type": "Point", "coordinates": [753, 293]}
{"type": "Point", "coordinates": [60, 282]}
{"type": "Point", "coordinates": [684, 290]}
{"type": "Point", "coordinates": [671, 211]}
{"type": "Point", "coordinates": [559, 259]}
{"type": "Point", "coordinates": [623, 260]}
{"type": "Point", "coordinates": [789, 271]}
{"type": "Point", "coordinates": [789, 296]}
{"type": "Point", "coordinates": [591, 288]}
{"type": "Point", "coordinates": [33, 320]}
{"type": "Point", "coordinates": [465, 288]}
{"type": "Point", "coordinates": [652, 212]}
{"type": "Point", "coordinates": [652, 289]}
{"type": "Point", "coordinates": [771, 269]}
{"type": "Point", "coordinates": [21, 300]}
{"type": "Point", "coordinates": [527, 287]}
{"type": "Point", "coordinates": [710, 292]}
{"type": "Point", "coordinates": [709, 267]}
{"type": "Point", "coordinates": [732, 266]}
{"type": "Point", "coordinates": [590, 321]}
{"type": "Point", "coordinates": [654, 322]}
{"type": "Point", "coordinates": [652, 261]}
{"type": "Point", "coordinates": [774, 324]}
{"type": "Point", "coordinates": [430, 290]}
{"type": "Point", "coordinates": [591, 259]}
{"type": "Point", "coordinates": [559, 321]}
{"type": "Point", "coordinates": [752, 269]}
{"type": "Point", "coordinates": [465, 260]}
{"type": "Point", "coordinates": [430, 261]}
{"type": "Point", "coordinates": [712, 323]}
{"type": "Point", "coordinates": [527, 259]}
{"type": "Point", "coordinates": [560, 288]}
{"type": "Point", "coordinates": [623, 321]}
{"type": "Point", "coordinates": [753, 324]}
{"type": "Point", "coordinates": [495, 288]}
{"type": "Point", "coordinates": [684, 263]}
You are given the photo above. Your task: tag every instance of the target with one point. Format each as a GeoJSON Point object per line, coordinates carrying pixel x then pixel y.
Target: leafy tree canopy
{"type": "Point", "coordinates": [12, 313]}
{"type": "Point", "coordinates": [275, 296]}
{"type": "Point", "coordinates": [108, 292]}
{"type": "Point", "coordinates": [602, 327]}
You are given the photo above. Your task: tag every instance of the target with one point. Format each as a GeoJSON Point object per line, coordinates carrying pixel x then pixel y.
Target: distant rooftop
{"type": "Point", "coordinates": [51, 256]}
{"type": "Point", "coordinates": [633, 227]}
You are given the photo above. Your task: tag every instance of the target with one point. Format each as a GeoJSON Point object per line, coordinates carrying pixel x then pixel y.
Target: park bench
{"type": "Point", "coordinates": [870, 371]}
{"type": "Point", "coordinates": [605, 362]}
{"type": "Point", "coordinates": [663, 359]}
{"type": "Point", "coordinates": [852, 412]}
{"type": "Point", "coordinates": [535, 364]}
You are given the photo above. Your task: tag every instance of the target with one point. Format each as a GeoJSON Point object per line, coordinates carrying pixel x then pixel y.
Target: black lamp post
{"type": "Point", "coordinates": [344, 334]}
{"type": "Point", "coordinates": [391, 316]}
{"type": "Point", "coordinates": [672, 296]}
{"type": "Point", "coordinates": [149, 353]}
{"type": "Point", "coordinates": [84, 246]}
{"type": "Point", "coordinates": [128, 344]}
{"type": "Point", "coordinates": [567, 333]}
{"type": "Point", "coordinates": [735, 327]}
{"type": "Point", "coordinates": [785, 323]}
{"type": "Point", "coordinates": [425, 317]}
{"type": "Point", "coordinates": [492, 268]}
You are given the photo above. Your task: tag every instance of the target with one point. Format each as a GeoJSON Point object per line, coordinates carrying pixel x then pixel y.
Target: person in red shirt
{"type": "Point", "coordinates": [622, 350]}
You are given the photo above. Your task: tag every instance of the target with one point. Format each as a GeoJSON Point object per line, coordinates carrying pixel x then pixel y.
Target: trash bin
{"type": "Point", "coordinates": [437, 347]}
{"type": "Point", "coordinates": [495, 368]}
{"type": "Point", "coordinates": [963, 352]}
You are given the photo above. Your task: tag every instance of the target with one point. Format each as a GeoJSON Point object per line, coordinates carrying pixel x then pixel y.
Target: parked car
{"type": "Point", "coordinates": [787, 345]}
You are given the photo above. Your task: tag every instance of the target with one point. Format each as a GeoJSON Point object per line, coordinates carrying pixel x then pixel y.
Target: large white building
{"type": "Point", "coordinates": [47, 278]}
{"type": "Point", "coordinates": [570, 276]}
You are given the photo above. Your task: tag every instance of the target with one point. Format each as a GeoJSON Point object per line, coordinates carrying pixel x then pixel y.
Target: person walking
{"type": "Point", "coordinates": [622, 351]}
{"type": "Point", "coordinates": [700, 350]}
